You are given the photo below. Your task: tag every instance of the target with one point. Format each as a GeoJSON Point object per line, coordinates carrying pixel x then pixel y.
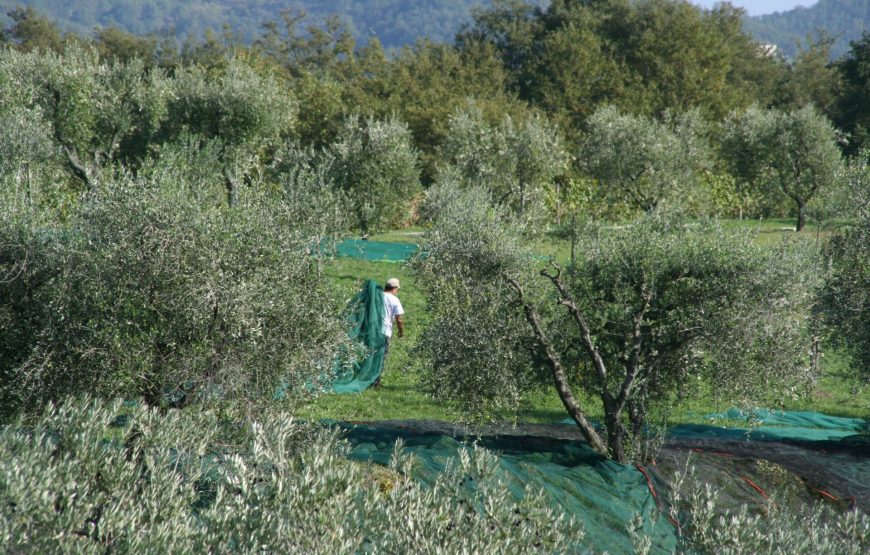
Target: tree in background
{"type": "Point", "coordinates": [245, 110]}
{"type": "Point", "coordinates": [795, 151]}
{"type": "Point", "coordinates": [642, 161]}
{"type": "Point", "coordinates": [853, 104]}
{"type": "Point", "coordinates": [98, 113]}
{"type": "Point", "coordinates": [516, 162]}
{"type": "Point", "coordinates": [375, 164]}
{"type": "Point", "coordinates": [31, 30]}
{"type": "Point", "coordinates": [116, 44]}
{"type": "Point", "coordinates": [681, 57]}
{"type": "Point", "coordinates": [647, 57]}
{"type": "Point", "coordinates": [811, 78]}
{"type": "Point", "coordinates": [427, 83]}
{"type": "Point", "coordinates": [644, 310]}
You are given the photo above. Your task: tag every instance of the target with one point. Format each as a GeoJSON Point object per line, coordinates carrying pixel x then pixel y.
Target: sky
{"type": "Point", "coordinates": [760, 7]}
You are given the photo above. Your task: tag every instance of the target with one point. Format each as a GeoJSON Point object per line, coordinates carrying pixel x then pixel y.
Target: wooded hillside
{"type": "Point", "coordinates": [843, 20]}
{"type": "Point", "coordinates": [395, 22]}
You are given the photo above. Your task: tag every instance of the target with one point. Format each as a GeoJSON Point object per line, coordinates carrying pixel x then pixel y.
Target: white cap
{"type": "Point", "coordinates": [392, 283]}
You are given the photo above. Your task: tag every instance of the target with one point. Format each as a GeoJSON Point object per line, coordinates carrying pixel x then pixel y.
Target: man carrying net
{"type": "Point", "coordinates": [393, 311]}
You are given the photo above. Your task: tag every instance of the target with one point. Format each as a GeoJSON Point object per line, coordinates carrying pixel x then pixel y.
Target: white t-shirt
{"type": "Point", "coordinates": [392, 308]}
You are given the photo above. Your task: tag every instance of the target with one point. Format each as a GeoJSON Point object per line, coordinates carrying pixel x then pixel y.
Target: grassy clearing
{"type": "Point", "coordinates": [401, 396]}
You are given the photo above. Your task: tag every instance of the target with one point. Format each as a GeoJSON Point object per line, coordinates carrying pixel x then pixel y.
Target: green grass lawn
{"type": "Point", "coordinates": [401, 396]}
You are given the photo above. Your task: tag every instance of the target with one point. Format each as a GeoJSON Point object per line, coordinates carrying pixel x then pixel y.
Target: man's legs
{"type": "Point", "coordinates": [377, 382]}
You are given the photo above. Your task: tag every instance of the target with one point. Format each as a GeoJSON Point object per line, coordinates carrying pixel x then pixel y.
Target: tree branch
{"type": "Point", "coordinates": [585, 334]}
{"type": "Point", "coordinates": [559, 376]}
{"type": "Point", "coordinates": [637, 343]}
{"type": "Point", "coordinates": [78, 168]}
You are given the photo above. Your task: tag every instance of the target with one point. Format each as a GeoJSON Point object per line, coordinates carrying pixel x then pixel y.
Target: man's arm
{"type": "Point", "coordinates": [400, 323]}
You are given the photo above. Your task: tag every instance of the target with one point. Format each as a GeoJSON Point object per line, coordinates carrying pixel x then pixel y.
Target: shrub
{"type": "Point", "coordinates": [845, 299]}
{"type": "Point", "coordinates": [80, 480]}
{"type": "Point", "coordinates": [773, 527]}
{"type": "Point", "coordinates": [151, 289]}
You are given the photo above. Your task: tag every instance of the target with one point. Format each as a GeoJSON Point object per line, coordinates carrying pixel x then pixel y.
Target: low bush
{"type": "Point", "coordinates": [79, 479]}
{"type": "Point", "coordinates": [773, 527]}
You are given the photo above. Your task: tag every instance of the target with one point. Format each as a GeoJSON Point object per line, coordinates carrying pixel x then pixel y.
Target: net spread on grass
{"type": "Point", "coordinates": [800, 458]}
{"type": "Point", "coordinates": [378, 251]}
{"type": "Point", "coordinates": [812, 459]}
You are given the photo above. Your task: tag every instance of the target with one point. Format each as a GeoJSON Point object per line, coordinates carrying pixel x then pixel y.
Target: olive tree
{"type": "Point", "coordinates": [151, 289]}
{"type": "Point", "coordinates": [641, 311]}
{"type": "Point", "coordinates": [243, 111]}
{"type": "Point", "coordinates": [794, 151]}
{"type": "Point", "coordinates": [846, 296]}
{"type": "Point", "coordinates": [516, 161]}
{"type": "Point", "coordinates": [375, 164]}
{"type": "Point", "coordinates": [643, 161]}
{"type": "Point", "coordinates": [97, 112]}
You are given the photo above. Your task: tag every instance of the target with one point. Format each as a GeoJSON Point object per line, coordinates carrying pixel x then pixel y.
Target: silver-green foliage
{"type": "Point", "coordinates": [775, 527]}
{"type": "Point", "coordinates": [846, 296]}
{"type": "Point", "coordinates": [94, 111]}
{"type": "Point", "coordinates": [516, 161]}
{"type": "Point", "coordinates": [661, 303]}
{"type": "Point", "coordinates": [99, 113]}
{"type": "Point", "coordinates": [153, 287]}
{"type": "Point", "coordinates": [76, 480]}
{"type": "Point", "coordinates": [476, 347]}
{"type": "Point", "coordinates": [375, 164]}
{"type": "Point", "coordinates": [642, 161]}
{"type": "Point", "coordinates": [794, 154]}
{"type": "Point", "coordinates": [233, 103]}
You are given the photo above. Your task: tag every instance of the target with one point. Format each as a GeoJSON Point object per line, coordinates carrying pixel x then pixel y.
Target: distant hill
{"type": "Point", "coordinates": [394, 22]}
{"type": "Point", "coordinates": [844, 20]}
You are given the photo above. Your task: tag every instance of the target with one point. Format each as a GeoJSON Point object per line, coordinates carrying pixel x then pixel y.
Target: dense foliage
{"type": "Point", "coordinates": [846, 297]}
{"type": "Point", "coordinates": [643, 310]}
{"type": "Point", "coordinates": [516, 163]}
{"type": "Point", "coordinates": [149, 291]}
{"type": "Point", "coordinates": [192, 483]}
{"type": "Point", "coordinates": [793, 152]}
{"type": "Point", "coordinates": [643, 162]}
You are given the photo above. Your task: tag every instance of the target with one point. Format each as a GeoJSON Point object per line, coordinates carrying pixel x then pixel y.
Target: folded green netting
{"type": "Point", "coordinates": [365, 327]}
{"type": "Point", "coordinates": [357, 368]}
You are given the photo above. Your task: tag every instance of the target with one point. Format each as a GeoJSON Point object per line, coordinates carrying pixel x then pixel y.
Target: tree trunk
{"type": "Point", "coordinates": [560, 379]}
{"type": "Point", "coordinates": [801, 219]}
{"type": "Point", "coordinates": [615, 435]}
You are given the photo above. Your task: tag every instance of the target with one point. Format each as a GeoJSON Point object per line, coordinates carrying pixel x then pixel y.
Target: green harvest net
{"type": "Point", "coordinates": [365, 327]}
{"type": "Point", "coordinates": [828, 462]}
{"type": "Point", "coordinates": [375, 250]}
{"type": "Point", "coordinates": [803, 458]}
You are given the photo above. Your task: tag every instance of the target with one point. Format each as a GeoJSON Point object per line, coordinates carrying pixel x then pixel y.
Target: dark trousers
{"type": "Point", "coordinates": [377, 382]}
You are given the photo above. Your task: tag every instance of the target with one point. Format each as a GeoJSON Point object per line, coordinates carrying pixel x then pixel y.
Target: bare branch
{"type": "Point", "coordinates": [585, 334]}
{"type": "Point", "coordinates": [637, 344]}
{"type": "Point", "coordinates": [559, 376]}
